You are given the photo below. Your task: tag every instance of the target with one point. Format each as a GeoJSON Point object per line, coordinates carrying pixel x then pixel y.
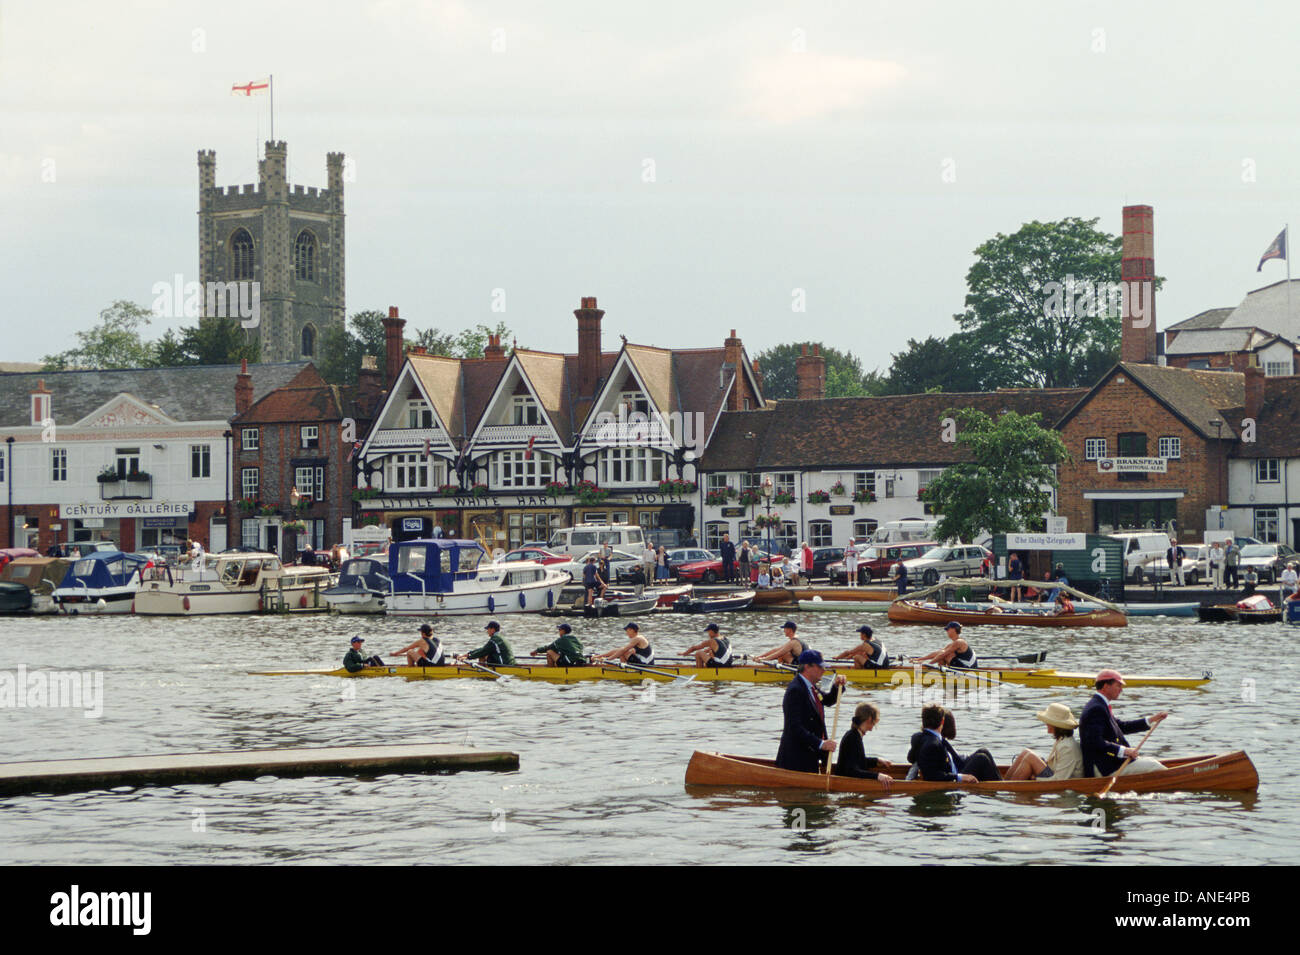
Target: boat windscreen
{"type": "Point", "coordinates": [84, 568]}
{"type": "Point", "coordinates": [469, 559]}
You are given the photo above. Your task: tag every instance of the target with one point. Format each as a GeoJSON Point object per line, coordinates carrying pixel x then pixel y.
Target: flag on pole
{"type": "Point", "coordinates": [252, 88]}
{"type": "Point", "coordinates": [528, 455]}
{"type": "Point", "coordinates": [1275, 251]}
{"type": "Point", "coordinates": [428, 447]}
{"type": "Point", "coordinates": [356, 446]}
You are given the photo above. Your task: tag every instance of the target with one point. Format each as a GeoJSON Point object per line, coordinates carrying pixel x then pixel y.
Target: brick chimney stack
{"type": "Point", "coordinates": [810, 373]}
{"type": "Point", "coordinates": [243, 388]}
{"type": "Point", "coordinates": [589, 317]}
{"type": "Point", "coordinates": [41, 404]}
{"type": "Point", "coordinates": [733, 355]}
{"type": "Point", "coordinates": [370, 386]}
{"type": "Point", "coordinates": [758, 376]}
{"type": "Point", "coordinates": [1137, 271]}
{"type": "Point", "coordinates": [393, 327]}
{"type": "Point", "coordinates": [494, 351]}
{"type": "Point", "coordinates": [1254, 391]}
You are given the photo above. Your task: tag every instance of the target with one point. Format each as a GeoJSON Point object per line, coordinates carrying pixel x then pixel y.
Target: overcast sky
{"type": "Point", "coordinates": [691, 164]}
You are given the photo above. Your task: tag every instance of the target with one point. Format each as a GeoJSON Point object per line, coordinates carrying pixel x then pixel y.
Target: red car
{"type": "Point", "coordinates": [710, 571]}
{"type": "Point", "coordinates": [537, 554]}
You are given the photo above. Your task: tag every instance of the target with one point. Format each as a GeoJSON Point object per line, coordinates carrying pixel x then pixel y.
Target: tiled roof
{"type": "Point", "coordinates": [1198, 397]}
{"type": "Point", "coordinates": [188, 393]}
{"type": "Point", "coordinates": [1210, 318]}
{"type": "Point", "coordinates": [307, 398]}
{"type": "Point", "coordinates": [1277, 428]}
{"type": "Point", "coordinates": [892, 431]}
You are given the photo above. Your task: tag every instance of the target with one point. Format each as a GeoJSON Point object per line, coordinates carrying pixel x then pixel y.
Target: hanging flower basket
{"type": "Point", "coordinates": [556, 489]}
{"type": "Point", "coordinates": [764, 521]}
{"type": "Point", "coordinates": [677, 486]}
{"type": "Point", "coordinates": [838, 489]}
{"type": "Point", "coordinates": [296, 527]}
{"type": "Point", "coordinates": [818, 497]}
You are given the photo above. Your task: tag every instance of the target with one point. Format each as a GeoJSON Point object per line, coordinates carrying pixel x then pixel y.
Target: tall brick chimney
{"type": "Point", "coordinates": [494, 351]}
{"type": "Point", "coordinates": [758, 377]}
{"type": "Point", "coordinates": [243, 388]}
{"type": "Point", "coordinates": [589, 317]}
{"type": "Point", "coordinates": [1254, 391]}
{"type": "Point", "coordinates": [733, 353]}
{"type": "Point", "coordinates": [393, 327]}
{"type": "Point", "coordinates": [41, 404]}
{"type": "Point", "coordinates": [370, 386]}
{"type": "Point", "coordinates": [810, 373]}
{"type": "Point", "coordinates": [1137, 270]}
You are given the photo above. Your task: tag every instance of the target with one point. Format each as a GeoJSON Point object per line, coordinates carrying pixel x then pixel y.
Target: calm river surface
{"type": "Point", "coordinates": [602, 764]}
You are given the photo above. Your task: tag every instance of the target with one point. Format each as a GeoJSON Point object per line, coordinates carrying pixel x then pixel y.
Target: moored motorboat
{"type": "Point", "coordinates": [618, 604]}
{"type": "Point", "coordinates": [1225, 772]}
{"type": "Point", "coordinates": [1254, 609]}
{"type": "Point", "coordinates": [451, 577]}
{"type": "Point", "coordinates": [38, 577]}
{"type": "Point", "coordinates": [362, 587]}
{"type": "Point", "coordinates": [104, 581]}
{"type": "Point", "coordinates": [232, 582]}
{"type": "Point", "coordinates": [719, 604]}
{"type": "Point", "coordinates": [846, 606]}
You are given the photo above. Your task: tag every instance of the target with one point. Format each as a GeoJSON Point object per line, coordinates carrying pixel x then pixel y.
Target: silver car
{"type": "Point", "coordinates": [958, 560]}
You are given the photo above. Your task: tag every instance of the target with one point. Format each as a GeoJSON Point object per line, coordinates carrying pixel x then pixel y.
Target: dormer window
{"type": "Point", "coordinates": [524, 410]}
{"type": "Point", "coordinates": [418, 414]}
{"type": "Point", "coordinates": [633, 401]}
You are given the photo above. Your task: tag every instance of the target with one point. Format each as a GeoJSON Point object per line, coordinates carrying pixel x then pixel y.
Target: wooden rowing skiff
{"type": "Point", "coordinates": [910, 611]}
{"type": "Point", "coordinates": [1226, 772]}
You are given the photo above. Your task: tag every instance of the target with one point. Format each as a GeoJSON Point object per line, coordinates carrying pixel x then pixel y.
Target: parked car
{"type": "Point", "coordinates": [823, 557]}
{"type": "Point", "coordinates": [1157, 568]}
{"type": "Point", "coordinates": [621, 564]}
{"type": "Point", "coordinates": [1268, 560]}
{"type": "Point", "coordinates": [710, 571]}
{"type": "Point", "coordinates": [874, 560]}
{"type": "Point", "coordinates": [537, 554]}
{"type": "Point", "coordinates": [956, 560]}
{"type": "Point", "coordinates": [687, 555]}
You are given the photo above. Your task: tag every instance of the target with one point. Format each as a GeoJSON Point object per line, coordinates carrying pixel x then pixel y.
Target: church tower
{"type": "Point", "coordinates": [288, 239]}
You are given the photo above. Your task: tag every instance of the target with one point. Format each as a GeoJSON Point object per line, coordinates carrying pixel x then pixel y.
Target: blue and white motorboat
{"type": "Point", "coordinates": [105, 581]}
{"type": "Point", "coordinates": [363, 586]}
{"type": "Point", "coordinates": [447, 576]}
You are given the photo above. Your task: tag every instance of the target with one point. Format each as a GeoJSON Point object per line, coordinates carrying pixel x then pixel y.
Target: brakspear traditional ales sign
{"type": "Point", "coordinates": [1133, 465]}
{"type": "Point", "coordinates": [127, 509]}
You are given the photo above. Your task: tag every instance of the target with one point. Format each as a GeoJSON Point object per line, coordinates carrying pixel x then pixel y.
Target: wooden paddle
{"type": "Point", "coordinates": [835, 732]}
{"type": "Point", "coordinates": [1127, 761]}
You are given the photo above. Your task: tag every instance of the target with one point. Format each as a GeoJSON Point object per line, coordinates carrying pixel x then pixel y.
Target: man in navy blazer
{"type": "Point", "coordinates": [933, 758]}
{"type": "Point", "coordinates": [1101, 736]}
{"type": "Point", "coordinates": [804, 745]}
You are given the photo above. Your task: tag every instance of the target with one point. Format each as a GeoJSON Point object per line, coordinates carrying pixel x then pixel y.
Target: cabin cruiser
{"type": "Point", "coordinates": [233, 582]}
{"type": "Point", "coordinates": [447, 576]}
{"type": "Point", "coordinates": [27, 584]}
{"type": "Point", "coordinates": [363, 586]}
{"type": "Point", "coordinates": [104, 581]}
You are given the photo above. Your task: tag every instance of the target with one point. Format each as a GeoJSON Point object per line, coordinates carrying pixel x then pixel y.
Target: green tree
{"type": "Point", "coordinates": [1017, 318]}
{"type": "Point", "coordinates": [1006, 487]}
{"type": "Point", "coordinates": [115, 342]}
{"type": "Point", "coordinates": [941, 364]}
{"type": "Point", "coordinates": [341, 349]}
{"type": "Point", "coordinates": [844, 374]}
{"type": "Point", "coordinates": [218, 341]}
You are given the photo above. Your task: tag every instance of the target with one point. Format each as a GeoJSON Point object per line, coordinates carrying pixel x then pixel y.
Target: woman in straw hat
{"type": "Point", "coordinates": [1065, 761]}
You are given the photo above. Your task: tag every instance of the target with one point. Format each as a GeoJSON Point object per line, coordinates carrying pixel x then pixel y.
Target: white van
{"type": "Point", "coordinates": [583, 537]}
{"type": "Point", "coordinates": [908, 529]}
{"type": "Point", "coordinates": [1139, 547]}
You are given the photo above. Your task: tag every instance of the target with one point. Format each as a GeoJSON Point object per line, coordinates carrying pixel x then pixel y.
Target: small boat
{"type": "Point", "coordinates": [362, 587]}
{"type": "Point", "coordinates": [37, 577]}
{"type": "Point", "coordinates": [846, 606]}
{"type": "Point", "coordinates": [1225, 772]}
{"type": "Point", "coordinates": [104, 581]}
{"type": "Point", "coordinates": [720, 604]}
{"type": "Point", "coordinates": [1236, 613]}
{"type": "Point", "coordinates": [667, 596]}
{"type": "Point", "coordinates": [618, 604]}
{"type": "Point", "coordinates": [773, 596]}
{"type": "Point", "coordinates": [449, 577]}
{"type": "Point", "coordinates": [232, 582]}
{"type": "Point", "coordinates": [1087, 606]}
{"type": "Point", "coordinates": [906, 610]}
{"type": "Point", "coordinates": [845, 593]}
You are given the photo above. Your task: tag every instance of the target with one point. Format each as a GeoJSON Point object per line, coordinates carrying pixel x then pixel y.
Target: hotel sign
{"type": "Point", "coordinates": [1133, 465]}
{"type": "Point", "coordinates": [120, 509]}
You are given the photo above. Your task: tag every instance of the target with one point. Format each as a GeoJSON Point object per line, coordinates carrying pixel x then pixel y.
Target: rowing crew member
{"type": "Point", "coordinates": [713, 650]}
{"type": "Point", "coordinates": [426, 651]}
{"type": "Point", "coordinates": [1101, 736]}
{"type": "Point", "coordinates": [869, 653]}
{"type": "Point", "coordinates": [637, 651]}
{"type": "Point", "coordinates": [354, 662]}
{"type": "Point", "coordinates": [853, 759]}
{"type": "Point", "coordinates": [956, 654]}
{"type": "Point", "coordinates": [787, 652]}
{"type": "Point", "coordinates": [565, 650]}
{"type": "Point", "coordinates": [495, 653]}
{"type": "Point", "coordinates": [804, 745]}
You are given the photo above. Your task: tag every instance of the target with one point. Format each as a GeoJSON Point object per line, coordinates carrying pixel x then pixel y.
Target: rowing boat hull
{"type": "Point", "coordinates": [846, 606]}
{"type": "Point", "coordinates": [845, 593]}
{"type": "Point", "coordinates": [1226, 772]}
{"type": "Point", "coordinates": [904, 611]}
{"type": "Point", "coordinates": [890, 677]}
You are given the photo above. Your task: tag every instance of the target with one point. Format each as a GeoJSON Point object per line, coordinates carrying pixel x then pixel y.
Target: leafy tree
{"type": "Point", "coordinates": [218, 341]}
{"type": "Point", "coordinates": [844, 374]}
{"type": "Point", "coordinates": [169, 352]}
{"type": "Point", "coordinates": [115, 342]}
{"type": "Point", "coordinates": [341, 349]}
{"type": "Point", "coordinates": [940, 364]}
{"type": "Point", "coordinates": [1016, 320]}
{"type": "Point", "coordinates": [1006, 487]}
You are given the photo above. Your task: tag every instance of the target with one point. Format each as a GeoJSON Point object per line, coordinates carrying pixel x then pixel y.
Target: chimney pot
{"type": "Point", "coordinates": [392, 311]}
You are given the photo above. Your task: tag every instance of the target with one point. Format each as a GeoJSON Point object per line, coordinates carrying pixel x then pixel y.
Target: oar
{"type": "Point", "coordinates": [499, 676]}
{"type": "Point", "coordinates": [1037, 657]}
{"type": "Point", "coordinates": [677, 677]}
{"type": "Point", "coordinates": [967, 674]}
{"type": "Point", "coordinates": [835, 732]}
{"type": "Point", "coordinates": [1127, 761]}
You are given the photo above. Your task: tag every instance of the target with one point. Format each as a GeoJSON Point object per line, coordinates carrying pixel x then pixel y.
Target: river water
{"type": "Point", "coordinates": [602, 764]}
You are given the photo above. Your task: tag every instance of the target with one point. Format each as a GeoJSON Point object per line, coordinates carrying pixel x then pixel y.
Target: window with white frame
{"type": "Point", "coordinates": [751, 481]}
{"type": "Point", "coordinates": [819, 533]}
{"type": "Point", "coordinates": [630, 466]}
{"type": "Point", "coordinates": [200, 460]}
{"type": "Point", "coordinates": [248, 532]}
{"type": "Point", "coordinates": [925, 478]}
{"type": "Point", "coordinates": [864, 481]}
{"type": "Point", "coordinates": [128, 461]}
{"type": "Point", "coordinates": [249, 483]}
{"type": "Point", "coordinates": [783, 483]}
{"type": "Point", "coordinates": [251, 438]}
{"type": "Point", "coordinates": [1266, 472]}
{"type": "Point", "coordinates": [1274, 369]}
{"type": "Point", "coordinates": [310, 482]}
{"type": "Point", "coordinates": [713, 531]}
{"type": "Point", "coordinates": [412, 472]}
{"type": "Point", "coordinates": [1170, 447]}
{"type": "Point", "coordinates": [418, 414]}
{"type": "Point", "coordinates": [715, 482]}
{"type": "Point", "coordinates": [524, 410]}
{"type": "Point", "coordinates": [788, 537]}
{"type": "Point", "coordinates": [633, 401]}
{"type": "Point", "coordinates": [1094, 448]}
{"type": "Point", "coordinates": [58, 464]}
{"type": "Point", "coordinates": [864, 530]}
{"type": "Point", "coordinates": [310, 436]}
{"type": "Point", "coordinates": [1267, 524]}
{"type": "Point", "coordinates": [512, 469]}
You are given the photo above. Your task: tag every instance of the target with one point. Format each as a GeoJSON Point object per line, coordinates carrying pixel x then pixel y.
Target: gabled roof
{"type": "Point", "coordinates": [1195, 396]}
{"type": "Point", "coordinates": [307, 398]}
{"type": "Point", "coordinates": [548, 377]}
{"type": "Point", "coordinates": [1277, 428]}
{"type": "Point", "coordinates": [1210, 318]}
{"type": "Point", "coordinates": [187, 393]}
{"type": "Point", "coordinates": [865, 433]}
{"type": "Point", "coordinates": [440, 380]}
{"type": "Point", "coordinates": [1214, 341]}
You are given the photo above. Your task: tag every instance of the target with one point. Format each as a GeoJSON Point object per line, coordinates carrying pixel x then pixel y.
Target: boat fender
{"type": "Point", "coordinates": [185, 602]}
{"type": "Point", "coordinates": [550, 599]}
{"type": "Point", "coordinates": [302, 601]}
{"type": "Point", "coordinates": [492, 605]}
{"type": "Point", "coordinates": [259, 604]}
{"type": "Point", "coordinates": [522, 602]}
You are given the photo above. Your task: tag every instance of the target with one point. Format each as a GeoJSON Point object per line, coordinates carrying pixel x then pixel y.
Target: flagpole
{"type": "Point", "coordinates": [1287, 243]}
{"type": "Point", "coordinates": [271, 83]}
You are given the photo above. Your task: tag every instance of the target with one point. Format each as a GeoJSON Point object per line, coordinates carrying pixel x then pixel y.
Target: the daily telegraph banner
{"type": "Point", "coordinates": [1133, 465]}
{"type": "Point", "coordinates": [127, 509]}
{"type": "Point", "coordinates": [1047, 541]}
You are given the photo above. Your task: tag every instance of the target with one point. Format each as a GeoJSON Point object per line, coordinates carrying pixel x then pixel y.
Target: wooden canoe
{"type": "Point", "coordinates": [773, 596]}
{"type": "Point", "coordinates": [908, 611]}
{"type": "Point", "coordinates": [1226, 772]}
{"type": "Point", "coordinates": [845, 593]}
{"type": "Point", "coordinates": [1231, 613]}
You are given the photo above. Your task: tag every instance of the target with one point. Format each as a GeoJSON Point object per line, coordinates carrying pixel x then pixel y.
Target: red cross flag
{"type": "Point", "coordinates": [251, 88]}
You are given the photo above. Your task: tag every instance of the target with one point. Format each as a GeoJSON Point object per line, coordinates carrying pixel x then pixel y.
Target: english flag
{"type": "Point", "coordinates": [251, 88]}
{"type": "Point", "coordinates": [1275, 251]}
{"type": "Point", "coordinates": [528, 455]}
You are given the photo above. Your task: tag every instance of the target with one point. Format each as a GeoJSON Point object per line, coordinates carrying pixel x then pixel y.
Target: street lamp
{"type": "Point", "coordinates": [765, 489]}
{"type": "Point", "coordinates": [1218, 447]}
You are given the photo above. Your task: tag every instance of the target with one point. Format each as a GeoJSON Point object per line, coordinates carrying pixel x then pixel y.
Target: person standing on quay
{"type": "Point", "coordinates": [1216, 564]}
{"type": "Point", "coordinates": [744, 562]}
{"type": "Point", "coordinates": [1232, 561]}
{"type": "Point", "coordinates": [728, 550]}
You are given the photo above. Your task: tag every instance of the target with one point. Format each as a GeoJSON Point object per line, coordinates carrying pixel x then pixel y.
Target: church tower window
{"type": "Point", "coordinates": [304, 257]}
{"type": "Point", "coordinates": [241, 255]}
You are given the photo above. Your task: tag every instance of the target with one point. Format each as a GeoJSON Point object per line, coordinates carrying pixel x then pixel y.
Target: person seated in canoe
{"type": "Point", "coordinates": [869, 654]}
{"type": "Point", "coordinates": [1101, 736]}
{"type": "Point", "coordinates": [565, 650]}
{"type": "Point", "coordinates": [495, 653]}
{"type": "Point", "coordinates": [1065, 761]}
{"type": "Point", "coordinates": [853, 759]}
{"type": "Point", "coordinates": [426, 651]}
{"type": "Point", "coordinates": [931, 757]}
{"type": "Point", "coordinates": [957, 654]}
{"type": "Point", "coordinates": [713, 650]}
{"type": "Point", "coordinates": [1033, 595]}
{"type": "Point", "coordinates": [636, 651]}
{"type": "Point", "coordinates": [979, 764]}
{"type": "Point", "coordinates": [354, 662]}
{"type": "Point", "coordinates": [788, 652]}
{"type": "Point", "coordinates": [1063, 604]}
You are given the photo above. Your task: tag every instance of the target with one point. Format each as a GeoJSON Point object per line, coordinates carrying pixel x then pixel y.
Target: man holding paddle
{"type": "Point", "coordinates": [804, 745]}
{"type": "Point", "coordinates": [1101, 737]}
